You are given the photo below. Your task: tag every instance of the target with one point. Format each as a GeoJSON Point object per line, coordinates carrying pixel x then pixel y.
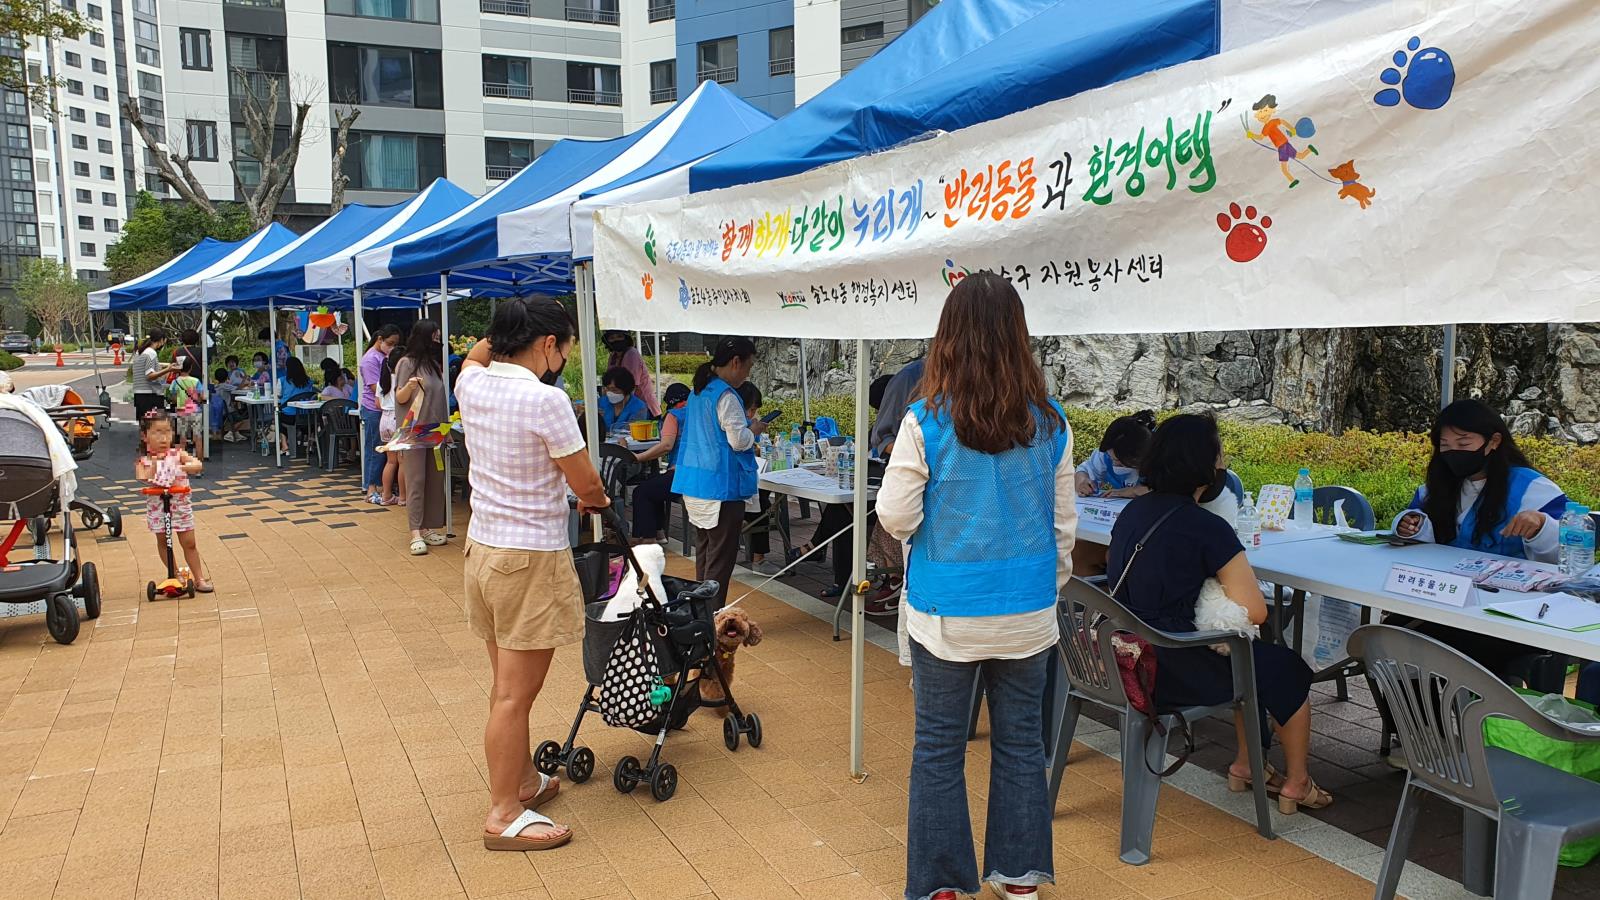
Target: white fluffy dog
{"type": "Point", "coordinates": [628, 596]}
{"type": "Point", "coordinates": [1213, 611]}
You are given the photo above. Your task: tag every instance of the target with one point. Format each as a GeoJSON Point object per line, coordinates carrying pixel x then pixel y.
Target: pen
{"type": "Point", "coordinates": [1543, 608]}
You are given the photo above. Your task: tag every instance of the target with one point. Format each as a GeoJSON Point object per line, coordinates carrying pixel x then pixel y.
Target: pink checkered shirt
{"type": "Point", "coordinates": [516, 428]}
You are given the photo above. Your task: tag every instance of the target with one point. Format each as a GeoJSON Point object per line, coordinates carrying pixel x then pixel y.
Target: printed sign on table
{"type": "Point", "coordinates": [1429, 584]}
{"type": "Point", "coordinates": [1100, 512]}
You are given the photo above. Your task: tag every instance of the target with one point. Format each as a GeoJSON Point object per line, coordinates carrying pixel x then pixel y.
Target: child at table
{"type": "Point", "coordinates": [188, 399]}
{"type": "Point", "coordinates": [756, 506]}
{"type": "Point", "coordinates": [1112, 471]}
{"type": "Point", "coordinates": [164, 465]}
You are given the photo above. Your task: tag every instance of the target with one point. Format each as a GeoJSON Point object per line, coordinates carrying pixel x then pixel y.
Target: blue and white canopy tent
{"type": "Point", "coordinates": [205, 259]}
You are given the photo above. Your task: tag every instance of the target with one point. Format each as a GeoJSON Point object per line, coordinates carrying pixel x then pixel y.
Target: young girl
{"type": "Point", "coordinates": [392, 484]}
{"type": "Point", "coordinates": [188, 396]}
{"type": "Point", "coordinates": [1113, 470]}
{"type": "Point", "coordinates": [165, 465]}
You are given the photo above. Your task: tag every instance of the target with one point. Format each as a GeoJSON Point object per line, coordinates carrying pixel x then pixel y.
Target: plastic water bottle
{"type": "Point", "coordinates": [1302, 499]}
{"type": "Point", "coordinates": [1248, 524]}
{"type": "Point", "coordinates": [792, 449]}
{"type": "Point", "coordinates": [808, 446]}
{"type": "Point", "coordinates": [1577, 540]}
{"type": "Point", "coordinates": [847, 468]}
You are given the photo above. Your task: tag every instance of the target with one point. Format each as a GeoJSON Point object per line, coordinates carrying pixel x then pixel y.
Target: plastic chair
{"type": "Point", "coordinates": [1357, 508]}
{"type": "Point", "coordinates": [1235, 485]}
{"type": "Point", "coordinates": [337, 425]}
{"type": "Point", "coordinates": [1088, 618]}
{"type": "Point", "coordinates": [616, 463]}
{"type": "Point", "coordinates": [1516, 812]}
{"type": "Point", "coordinates": [298, 423]}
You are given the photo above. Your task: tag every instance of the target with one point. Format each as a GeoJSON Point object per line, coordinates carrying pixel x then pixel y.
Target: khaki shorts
{"type": "Point", "coordinates": [523, 599]}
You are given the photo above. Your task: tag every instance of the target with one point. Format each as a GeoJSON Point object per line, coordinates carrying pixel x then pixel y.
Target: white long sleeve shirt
{"type": "Point", "coordinates": [730, 415]}
{"type": "Point", "coordinates": [1542, 547]}
{"type": "Point", "coordinates": [972, 638]}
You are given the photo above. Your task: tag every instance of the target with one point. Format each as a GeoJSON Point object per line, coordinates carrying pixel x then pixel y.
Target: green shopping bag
{"type": "Point", "coordinates": [1582, 760]}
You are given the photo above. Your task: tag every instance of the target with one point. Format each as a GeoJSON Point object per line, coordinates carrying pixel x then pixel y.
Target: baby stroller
{"type": "Point", "coordinates": [686, 653]}
{"type": "Point", "coordinates": [77, 421]}
{"type": "Point", "coordinates": [32, 494]}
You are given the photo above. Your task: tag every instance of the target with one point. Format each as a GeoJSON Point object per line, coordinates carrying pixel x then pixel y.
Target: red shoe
{"type": "Point", "coordinates": [945, 895]}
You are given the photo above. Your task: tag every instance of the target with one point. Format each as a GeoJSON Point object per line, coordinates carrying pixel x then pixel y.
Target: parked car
{"type": "Point", "coordinates": [16, 342]}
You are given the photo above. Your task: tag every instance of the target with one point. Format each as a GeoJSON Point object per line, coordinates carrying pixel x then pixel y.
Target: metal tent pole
{"type": "Point", "coordinates": [858, 575]}
{"type": "Point", "coordinates": [205, 366]}
{"type": "Point", "coordinates": [658, 369]}
{"type": "Point", "coordinates": [586, 340]}
{"type": "Point", "coordinates": [361, 421]}
{"type": "Point", "coordinates": [1447, 368]}
{"type": "Point", "coordinates": [805, 385]}
{"type": "Point", "coordinates": [444, 347]}
{"type": "Point", "coordinates": [272, 389]}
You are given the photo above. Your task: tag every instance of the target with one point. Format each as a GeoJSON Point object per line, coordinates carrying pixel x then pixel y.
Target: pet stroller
{"type": "Point", "coordinates": [77, 421]}
{"type": "Point", "coordinates": [30, 493]}
{"type": "Point", "coordinates": [686, 651]}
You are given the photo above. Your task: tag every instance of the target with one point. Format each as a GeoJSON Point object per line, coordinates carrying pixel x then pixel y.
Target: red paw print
{"type": "Point", "coordinates": [1246, 239]}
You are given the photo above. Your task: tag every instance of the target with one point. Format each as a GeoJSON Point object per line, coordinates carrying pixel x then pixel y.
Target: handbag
{"type": "Point", "coordinates": [1136, 666]}
{"type": "Point", "coordinates": [633, 671]}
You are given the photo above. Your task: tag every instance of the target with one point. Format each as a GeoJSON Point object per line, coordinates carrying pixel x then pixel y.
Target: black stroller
{"type": "Point", "coordinates": [29, 495]}
{"type": "Point", "coordinates": [686, 653]}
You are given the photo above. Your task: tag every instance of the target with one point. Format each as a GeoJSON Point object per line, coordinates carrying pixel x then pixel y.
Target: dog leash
{"type": "Point", "coordinates": [797, 561]}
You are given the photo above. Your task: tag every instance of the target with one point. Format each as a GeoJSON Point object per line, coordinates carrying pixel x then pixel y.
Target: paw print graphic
{"type": "Point", "coordinates": [650, 243]}
{"type": "Point", "coordinates": [683, 293]}
{"type": "Point", "coordinates": [1428, 78]}
{"type": "Point", "coordinates": [649, 284]}
{"type": "Point", "coordinates": [1246, 239]}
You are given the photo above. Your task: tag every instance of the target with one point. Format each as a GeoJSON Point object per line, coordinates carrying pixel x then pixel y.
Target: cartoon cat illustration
{"type": "Point", "coordinates": [1352, 188]}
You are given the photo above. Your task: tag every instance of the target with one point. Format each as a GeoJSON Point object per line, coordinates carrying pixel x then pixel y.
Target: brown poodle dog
{"type": "Point", "coordinates": [734, 629]}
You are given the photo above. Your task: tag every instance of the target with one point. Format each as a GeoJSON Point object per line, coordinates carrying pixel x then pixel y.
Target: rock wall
{"type": "Point", "coordinates": [1545, 378]}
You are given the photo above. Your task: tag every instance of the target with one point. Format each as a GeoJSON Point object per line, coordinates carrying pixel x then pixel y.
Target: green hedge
{"type": "Point", "coordinates": [1385, 467]}
{"type": "Point", "coordinates": [9, 362]}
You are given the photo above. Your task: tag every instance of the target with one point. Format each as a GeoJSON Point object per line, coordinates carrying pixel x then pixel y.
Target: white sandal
{"type": "Point", "coordinates": [419, 547]}
{"type": "Point", "coordinates": [549, 787]}
{"type": "Point", "coordinates": [512, 838]}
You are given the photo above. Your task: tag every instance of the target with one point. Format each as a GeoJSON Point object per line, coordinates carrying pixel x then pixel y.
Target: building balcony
{"type": "Point", "coordinates": [255, 4]}
{"type": "Point", "coordinates": [724, 75]}
{"type": "Point", "coordinates": [593, 15]}
{"type": "Point", "coordinates": [510, 91]}
{"type": "Point", "coordinates": [594, 98]}
{"type": "Point", "coordinates": [500, 173]}
{"type": "Point", "coordinates": [505, 7]}
{"type": "Point", "coordinates": [664, 95]}
{"type": "Point", "coordinates": [257, 84]}
{"type": "Point", "coordinates": [660, 12]}
{"type": "Point", "coordinates": [781, 67]}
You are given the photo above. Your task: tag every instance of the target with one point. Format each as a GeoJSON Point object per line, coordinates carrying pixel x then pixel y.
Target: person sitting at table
{"type": "Point", "coordinates": [756, 507]}
{"type": "Point", "coordinates": [618, 403]}
{"type": "Point", "coordinates": [1184, 467]}
{"type": "Point", "coordinates": [236, 381]}
{"type": "Point", "coordinates": [1481, 494]}
{"type": "Point", "coordinates": [651, 495]}
{"type": "Point", "coordinates": [1112, 471]}
{"type": "Point", "coordinates": [338, 384]}
{"type": "Point", "coordinates": [263, 372]}
{"type": "Point", "coordinates": [294, 385]}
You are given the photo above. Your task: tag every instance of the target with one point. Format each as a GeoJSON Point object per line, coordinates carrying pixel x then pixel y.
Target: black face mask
{"type": "Point", "coordinates": [553, 377]}
{"type": "Point", "coordinates": [1464, 463]}
{"type": "Point", "coordinates": [1219, 483]}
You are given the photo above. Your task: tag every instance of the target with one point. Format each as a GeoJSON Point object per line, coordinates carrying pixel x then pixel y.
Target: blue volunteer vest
{"type": "Point", "coordinates": [986, 545]}
{"type": "Point", "coordinates": [1112, 480]}
{"type": "Point", "coordinates": [709, 469]}
{"type": "Point", "coordinates": [632, 410]}
{"type": "Point", "coordinates": [1494, 542]}
{"type": "Point", "coordinates": [672, 455]}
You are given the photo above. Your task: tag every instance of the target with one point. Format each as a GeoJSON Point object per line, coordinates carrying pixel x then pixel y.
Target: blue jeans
{"type": "Point", "coordinates": [371, 460]}
{"type": "Point", "coordinates": [1017, 845]}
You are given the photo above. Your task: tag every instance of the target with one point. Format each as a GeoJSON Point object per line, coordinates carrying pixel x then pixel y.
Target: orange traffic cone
{"type": "Point", "coordinates": [59, 363]}
{"type": "Point", "coordinates": [116, 354]}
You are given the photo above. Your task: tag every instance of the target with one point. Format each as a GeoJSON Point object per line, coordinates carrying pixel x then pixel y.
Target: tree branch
{"type": "Point", "coordinates": [341, 144]}
{"type": "Point", "coordinates": [171, 168]}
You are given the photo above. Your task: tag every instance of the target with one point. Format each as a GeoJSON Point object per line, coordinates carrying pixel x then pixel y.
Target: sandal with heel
{"type": "Point", "coordinates": [1315, 798]}
{"type": "Point", "coordinates": [1241, 784]}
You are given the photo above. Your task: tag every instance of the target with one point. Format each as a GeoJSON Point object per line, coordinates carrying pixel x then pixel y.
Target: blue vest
{"type": "Point", "coordinates": [677, 446]}
{"type": "Point", "coordinates": [987, 543]}
{"type": "Point", "coordinates": [1112, 480]}
{"type": "Point", "coordinates": [632, 410]}
{"type": "Point", "coordinates": [707, 468]}
{"type": "Point", "coordinates": [1494, 541]}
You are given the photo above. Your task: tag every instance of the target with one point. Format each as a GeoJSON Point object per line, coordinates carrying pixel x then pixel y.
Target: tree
{"type": "Point", "coordinates": [341, 144]}
{"type": "Point", "coordinates": [156, 231]}
{"type": "Point", "coordinates": [51, 294]}
{"type": "Point", "coordinates": [23, 21]}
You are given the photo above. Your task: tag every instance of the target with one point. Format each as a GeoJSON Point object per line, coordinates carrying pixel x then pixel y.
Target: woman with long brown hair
{"type": "Point", "coordinates": [981, 483]}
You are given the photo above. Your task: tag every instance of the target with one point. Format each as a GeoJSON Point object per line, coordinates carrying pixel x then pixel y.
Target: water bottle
{"type": "Point", "coordinates": [1577, 540]}
{"type": "Point", "coordinates": [808, 447]}
{"type": "Point", "coordinates": [847, 468]}
{"type": "Point", "coordinates": [1248, 524]}
{"type": "Point", "coordinates": [1302, 499]}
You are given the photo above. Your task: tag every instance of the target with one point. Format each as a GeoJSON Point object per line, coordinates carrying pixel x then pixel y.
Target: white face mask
{"type": "Point", "coordinates": [615, 397]}
{"type": "Point", "coordinates": [1124, 471]}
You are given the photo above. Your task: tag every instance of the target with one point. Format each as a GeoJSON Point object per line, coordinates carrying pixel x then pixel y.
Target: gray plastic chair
{"type": "Point", "coordinates": [1439, 700]}
{"type": "Point", "coordinates": [1088, 618]}
{"type": "Point", "coordinates": [616, 464]}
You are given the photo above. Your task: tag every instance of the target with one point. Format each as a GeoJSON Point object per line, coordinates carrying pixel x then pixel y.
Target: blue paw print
{"type": "Point", "coordinates": [1429, 77]}
{"type": "Point", "coordinates": [683, 294]}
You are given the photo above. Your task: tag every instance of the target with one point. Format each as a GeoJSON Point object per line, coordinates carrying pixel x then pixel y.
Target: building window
{"type": "Point", "coordinates": [105, 146]}
{"type": "Point", "coordinates": [79, 142]}
{"type": "Point", "coordinates": [407, 10]}
{"type": "Point", "coordinates": [47, 201]}
{"type": "Point", "coordinates": [149, 56]}
{"type": "Point", "coordinates": [77, 115]}
{"type": "Point", "coordinates": [27, 234]}
{"type": "Point", "coordinates": [601, 12]}
{"type": "Point", "coordinates": [22, 170]}
{"type": "Point", "coordinates": [100, 92]}
{"type": "Point", "coordinates": [382, 161]}
{"type": "Point", "coordinates": [194, 46]}
{"type": "Point", "coordinates": [145, 7]}
{"type": "Point", "coordinates": [110, 225]}
{"type": "Point", "coordinates": [48, 237]}
{"type": "Point", "coordinates": [718, 61]}
{"type": "Point", "coordinates": [83, 195]}
{"type": "Point", "coordinates": [41, 138]}
{"type": "Point", "coordinates": [257, 62]}
{"type": "Point", "coordinates": [106, 198]}
{"type": "Point", "coordinates": [507, 76]}
{"type": "Point", "coordinates": [79, 168]}
{"type": "Point", "coordinates": [146, 31]}
{"type": "Point", "coordinates": [149, 81]}
{"type": "Point", "coordinates": [589, 83]}
{"type": "Point", "coordinates": [664, 81]}
{"type": "Point", "coordinates": [385, 76]}
{"type": "Point", "coordinates": [73, 59]}
{"type": "Point", "coordinates": [86, 249]}
{"type": "Point", "coordinates": [102, 119]}
{"type": "Point", "coordinates": [17, 137]}
{"type": "Point", "coordinates": [780, 51]}
{"type": "Point", "coordinates": [98, 66]}
{"type": "Point", "coordinates": [95, 12]}
{"type": "Point", "coordinates": [86, 223]}
{"type": "Point", "coordinates": [154, 184]}
{"type": "Point", "coordinates": [662, 10]}
{"type": "Point", "coordinates": [16, 103]}
{"type": "Point", "coordinates": [505, 7]}
{"type": "Point", "coordinates": [42, 170]}
{"type": "Point", "coordinates": [22, 202]}
{"type": "Point", "coordinates": [108, 174]}
{"type": "Point", "coordinates": [75, 87]}
{"type": "Point", "coordinates": [504, 157]}
{"type": "Point", "coordinates": [860, 34]}
{"type": "Point", "coordinates": [97, 38]}
{"type": "Point", "coordinates": [202, 140]}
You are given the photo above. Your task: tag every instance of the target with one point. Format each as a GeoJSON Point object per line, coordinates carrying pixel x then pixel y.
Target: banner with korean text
{"type": "Point", "coordinates": [1405, 165]}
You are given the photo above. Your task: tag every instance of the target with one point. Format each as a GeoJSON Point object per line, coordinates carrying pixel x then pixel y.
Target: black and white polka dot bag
{"type": "Point", "coordinates": [632, 674]}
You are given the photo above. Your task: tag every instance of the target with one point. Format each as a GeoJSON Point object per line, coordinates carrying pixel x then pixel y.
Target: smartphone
{"type": "Point", "coordinates": [771, 417]}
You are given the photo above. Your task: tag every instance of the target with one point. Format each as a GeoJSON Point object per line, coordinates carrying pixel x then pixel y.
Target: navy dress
{"type": "Point", "coordinates": [1162, 590]}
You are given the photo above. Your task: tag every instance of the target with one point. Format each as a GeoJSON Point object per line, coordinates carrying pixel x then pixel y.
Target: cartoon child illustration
{"type": "Point", "coordinates": [1278, 131]}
